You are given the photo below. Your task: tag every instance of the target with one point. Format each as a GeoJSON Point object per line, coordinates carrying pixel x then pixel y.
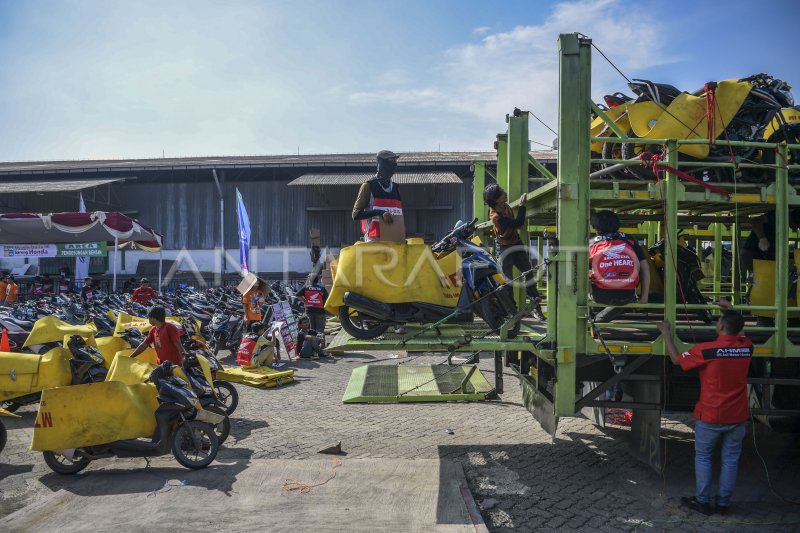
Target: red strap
{"type": "Point", "coordinates": [652, 161]}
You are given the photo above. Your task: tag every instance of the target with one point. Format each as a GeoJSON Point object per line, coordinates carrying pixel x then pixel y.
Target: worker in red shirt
{"type": "Point", "coordinates": [722, 410]}
{"type": "Point", "coordinates": [144, 293]}
{"type": "Point", "coordinates": [164, 336]}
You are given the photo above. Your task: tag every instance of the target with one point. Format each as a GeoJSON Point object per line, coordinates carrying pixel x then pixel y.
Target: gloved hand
{"type": "Point", "coordinates": [763, 244]}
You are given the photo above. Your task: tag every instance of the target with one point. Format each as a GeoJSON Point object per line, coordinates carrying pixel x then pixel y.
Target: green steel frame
{"type": "Point", "coordinates": [563, 205]}
{"type": "Point", "coordinates": [551, 360]}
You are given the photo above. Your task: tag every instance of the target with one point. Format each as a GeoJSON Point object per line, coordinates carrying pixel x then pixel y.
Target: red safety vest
{"type": "Point", "coordinates": [245, 352]}
{"type": "Point", "coordinates": [614, 265]}
{"type": "Point", "coordinates": [314, 297]}
{"type": "Point", "coordinates": [381, 200]}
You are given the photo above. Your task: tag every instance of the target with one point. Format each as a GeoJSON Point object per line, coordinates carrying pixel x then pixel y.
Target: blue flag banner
{"type": "Point", "coordinates": [244, 233]}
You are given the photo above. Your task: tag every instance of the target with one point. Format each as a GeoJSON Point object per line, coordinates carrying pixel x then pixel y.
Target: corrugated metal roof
{"type": "Point", "coordinates": [11, 187]}
{"type": "Point", "coordinates": [259, 161]}
{"type": "Point", "coordinates": [403, 178]}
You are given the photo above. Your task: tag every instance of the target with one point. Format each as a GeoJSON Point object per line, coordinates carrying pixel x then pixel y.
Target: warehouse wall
{"type": "Point", "coordinates": [186, 211]}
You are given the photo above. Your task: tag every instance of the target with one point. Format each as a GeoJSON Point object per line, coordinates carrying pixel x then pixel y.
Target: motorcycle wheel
{"type": "Point", "coordinates": [632, 151]}
{"type": "Point", "coordinates": [227, 394]}
{"type": "Point", "coordinates": [190, 454]}
{"type": "Point", "coordinates": [360, 326]}
{"type": "Point", "coordinates": [11, 406]}
{"type": "Point", "coordinates": [223, 429]}
{"type": "Point", "coordinates": [493, 313]}
{"type": "Point", "coordinates": [613, 151]}
{"type": "Point", "coordinates": [60, 464]}
{"type": "Point", "coordinates": [3, 436]}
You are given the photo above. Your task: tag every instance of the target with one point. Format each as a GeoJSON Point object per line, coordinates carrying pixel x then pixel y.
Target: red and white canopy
{"type": "Point", "coordinates": [58, 228]}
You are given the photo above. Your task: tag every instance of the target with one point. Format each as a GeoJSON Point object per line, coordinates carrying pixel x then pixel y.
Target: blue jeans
{"type": "Point", "coordinates": [706, 437]}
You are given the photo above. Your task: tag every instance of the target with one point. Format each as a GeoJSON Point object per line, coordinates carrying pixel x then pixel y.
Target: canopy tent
{"type": "Point", "coordinates": [113, 228]}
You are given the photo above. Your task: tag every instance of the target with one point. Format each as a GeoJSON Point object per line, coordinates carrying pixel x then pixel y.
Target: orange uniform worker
{"type": "Point", "coordinates": [12, 291]}
{"type": "Point", "coordinates": [252, 301]}
{"type": "Point", "coordinates": [3, 287]}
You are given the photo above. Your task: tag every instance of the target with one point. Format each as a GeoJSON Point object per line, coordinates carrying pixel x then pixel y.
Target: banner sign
{"type": "Point", "coordinates": [83, 249]}
{"type": "Point", "coordinates": [282, 312]}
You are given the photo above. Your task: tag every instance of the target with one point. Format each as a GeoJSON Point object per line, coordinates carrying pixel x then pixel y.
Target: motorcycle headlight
{"type": "Point", "coordinates": [788, 97]}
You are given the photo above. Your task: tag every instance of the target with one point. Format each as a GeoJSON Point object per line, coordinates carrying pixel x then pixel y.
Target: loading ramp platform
{"type": "Point", "coordinates": [439, 385]}
{"type": "Point", "coordinates": [416, 383]}
{"type": "Point", "coordinates": [449, 338]}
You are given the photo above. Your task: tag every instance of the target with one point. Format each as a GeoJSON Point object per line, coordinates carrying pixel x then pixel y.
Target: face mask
{"type": "Point", "coordinates": [386, 168]}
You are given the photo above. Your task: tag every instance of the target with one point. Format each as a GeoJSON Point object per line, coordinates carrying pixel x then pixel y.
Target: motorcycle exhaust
{"type": "Point", "coordinates": [366, 305]}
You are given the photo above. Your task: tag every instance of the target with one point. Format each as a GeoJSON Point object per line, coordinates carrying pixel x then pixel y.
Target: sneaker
{"type": "Point", "coordinates": [722, 509]}
{"type": "Point", "coordinates": [400, 330]}
{"type": "Point", "coordinates": [700, 507]}
{"type": "Point", "coordinates": [537, 314]}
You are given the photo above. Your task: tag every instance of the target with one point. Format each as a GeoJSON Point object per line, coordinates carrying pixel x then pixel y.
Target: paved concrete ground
{"type": "Point", "coordinates": [520, 478]}
{"type": "Point", "coordinates": [251, 494]}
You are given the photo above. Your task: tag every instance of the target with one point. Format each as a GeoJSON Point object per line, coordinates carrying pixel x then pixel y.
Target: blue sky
{"type": "Point", "coordinates": [87, 79]}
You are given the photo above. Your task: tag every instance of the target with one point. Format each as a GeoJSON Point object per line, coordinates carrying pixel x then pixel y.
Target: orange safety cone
{"type": "Point", "coordinates": [4, 345]}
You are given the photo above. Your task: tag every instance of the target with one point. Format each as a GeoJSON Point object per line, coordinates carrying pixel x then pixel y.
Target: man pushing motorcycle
{"type": "Point", "coordinates": [164, 337]}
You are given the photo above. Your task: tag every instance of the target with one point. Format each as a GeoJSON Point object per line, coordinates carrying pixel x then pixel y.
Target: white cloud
{"type": "Point", "coordinates": [483, 30]}
{"type": "Point", "coordinates": [413, 97]}
{"type": "Point", "coordinates": [519, 67]}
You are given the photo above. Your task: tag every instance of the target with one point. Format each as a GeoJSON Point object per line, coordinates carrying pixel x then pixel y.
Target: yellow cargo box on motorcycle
{"type": "Point", "coordinates": [599, 128]}
{"type": "Point", "coordinates": [123, 406]}
{"type": "Point", "coordinates": [118, 411]}
{"type": "Point", "coordinates": [50, 329]}
{"type": "Point", "coordinates": [26, 373]}
{"type": "Point", "coordinates": [126, 321]}
{"type": "Point", "coordinates": [395, 273]}
{"type": "Point", "coordinates": [686, 117]}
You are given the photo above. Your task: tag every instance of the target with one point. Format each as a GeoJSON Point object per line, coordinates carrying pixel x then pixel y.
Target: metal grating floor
{"type": "Point", "coordinates": [415, 383]}
{"type": "Point", "coordinates": [431, 341]}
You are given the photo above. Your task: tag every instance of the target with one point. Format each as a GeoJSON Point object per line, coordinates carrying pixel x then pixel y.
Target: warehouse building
{"type": "Point", "coordinates": [190, 201]}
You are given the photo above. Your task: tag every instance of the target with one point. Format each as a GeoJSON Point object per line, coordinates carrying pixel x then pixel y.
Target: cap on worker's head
{"type": "Point", "coordinates": [387, 154]}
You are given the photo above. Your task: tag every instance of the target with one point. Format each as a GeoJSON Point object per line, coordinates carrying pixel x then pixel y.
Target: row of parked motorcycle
{"type": "Point", "coordinates": [759, 108]}
{"type": "Point", "coordinates": [217, 311]}
{"type": "Point", "coordinates": [59, 342]}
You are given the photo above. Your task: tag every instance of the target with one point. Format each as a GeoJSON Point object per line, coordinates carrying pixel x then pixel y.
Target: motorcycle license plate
{"type": "Point", "coordinates": [208, 416]}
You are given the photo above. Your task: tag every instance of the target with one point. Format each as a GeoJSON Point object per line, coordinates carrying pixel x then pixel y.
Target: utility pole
{"type": "Point", "coordinates": [221, 221]}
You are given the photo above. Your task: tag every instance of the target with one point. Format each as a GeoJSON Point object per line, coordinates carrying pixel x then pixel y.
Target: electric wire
{"type": "Point", "coordinates": [531, 113]}
{"type": "Point", "coordinates": [664, 107]}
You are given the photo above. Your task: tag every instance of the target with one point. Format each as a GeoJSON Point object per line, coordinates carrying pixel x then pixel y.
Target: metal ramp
{"type": "Point", "coordinates": [448, 338]}
{"type": "Point", "coordinates": [416, 383]}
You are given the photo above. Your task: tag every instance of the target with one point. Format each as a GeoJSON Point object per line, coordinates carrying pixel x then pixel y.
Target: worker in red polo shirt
{"type": "Point", "coordinates": [144, 293]}
{"type": "Point", "coordinates": [164, 336]}
{"type": "Point", "coordinates": [722, 410]}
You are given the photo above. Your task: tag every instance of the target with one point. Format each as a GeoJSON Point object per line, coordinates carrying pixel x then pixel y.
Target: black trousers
{"type": "Point", "coordinates": [517, 256]}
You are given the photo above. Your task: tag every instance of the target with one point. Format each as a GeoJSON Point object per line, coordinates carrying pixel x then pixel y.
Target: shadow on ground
{"type": "Point", "coordinates": [588, 482]}
{"type": "Point", "coordinates": [218, 477]}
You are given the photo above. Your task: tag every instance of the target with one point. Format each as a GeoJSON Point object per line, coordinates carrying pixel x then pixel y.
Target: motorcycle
{"type": "Point", "coordinates": [204, 390]}
{"type": "Point", "coordinates": [756, 108]}
{"type": "Point", "coordinates": [181, 427]}
{"type": "Point", "coordinates": [483, 293]}
{"type": "Point", "coordinates": [224, 331]}
{"type": "Point", "coordinates": [86, 365]}
{"type": "Point", "coordinates": [689, 272]}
